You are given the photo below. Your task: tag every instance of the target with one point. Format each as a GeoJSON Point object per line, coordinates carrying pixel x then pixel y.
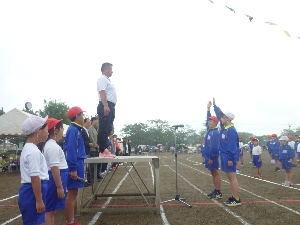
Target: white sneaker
{"type": "Point", "coordinates": [238, 171]}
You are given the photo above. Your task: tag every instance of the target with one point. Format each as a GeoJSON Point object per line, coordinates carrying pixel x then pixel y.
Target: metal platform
{"type": "Point", "coordinates": [85, 206]}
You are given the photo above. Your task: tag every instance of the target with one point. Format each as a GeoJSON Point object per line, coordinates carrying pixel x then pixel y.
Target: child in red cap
{"type": "Point", "coordinates": [75, 152]}
{"type": "Point", "coordinates": [275, 151]}
{"type": "Point", "coordinates": [57, 169]}
{"type": "Point", "coordinates": [211, 152]}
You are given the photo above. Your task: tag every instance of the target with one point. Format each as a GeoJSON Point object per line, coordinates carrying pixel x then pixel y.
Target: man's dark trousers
{"type": "Point", "coordinates": [105, 127]}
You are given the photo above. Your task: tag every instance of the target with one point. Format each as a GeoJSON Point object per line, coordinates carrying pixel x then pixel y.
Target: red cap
{"type": "Point", "coordinates": [251, 137]}
{"type": "Point", "coordinates": [296, 135]}
{"type": "Point", "coordinates": [52, 122]}
{"type": "Point", "coordinates": [290, 137]}
{"type": "Point", "coordinates": [255, 139]}
{"type": "Point", "coordinates": [214, 118]}
{"type": "Point", "coordinates": [74, 111]}
{"type": "Point", "coordinates": [274, 135]}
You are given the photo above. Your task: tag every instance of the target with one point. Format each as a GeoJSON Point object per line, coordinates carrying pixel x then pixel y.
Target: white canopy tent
{"type": "Point", "coordinates": [11, 124]}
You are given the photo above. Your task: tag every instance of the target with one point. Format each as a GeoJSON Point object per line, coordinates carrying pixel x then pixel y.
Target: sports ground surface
{"type": "Point", "coordinates": [264, 201]}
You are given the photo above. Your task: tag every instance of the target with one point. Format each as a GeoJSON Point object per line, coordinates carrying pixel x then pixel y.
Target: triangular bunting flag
{"type": "Point", "coordinates": [231, 9]}
{"type": "Point", "coordinates": [270, 23]}
{"type": "Point", "coordinates": [250, 17]}
{"type": "Point", "coordinates": [287, 33]}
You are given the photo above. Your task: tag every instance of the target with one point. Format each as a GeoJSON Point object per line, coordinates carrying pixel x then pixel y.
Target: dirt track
{"type": "Point", "coordinates": [264, 201]}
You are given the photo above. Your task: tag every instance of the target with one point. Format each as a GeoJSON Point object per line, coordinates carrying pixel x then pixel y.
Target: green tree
{"type": "Point", "coordinates": [1, 111]}
{"type": "Point", "coordinates": [136, 132]}
{"type": "Point", "coordinates": [56, 110]}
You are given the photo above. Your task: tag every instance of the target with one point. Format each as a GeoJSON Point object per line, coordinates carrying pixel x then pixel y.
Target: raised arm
{"type": "Point", "coordinates": [218, 112]}
{"type": "Point", "coordinates": [208, 114]}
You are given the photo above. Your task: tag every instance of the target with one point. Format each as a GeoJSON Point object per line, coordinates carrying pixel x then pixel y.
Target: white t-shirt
{"type": "Point", "coordinates": [54, 155]}
{"type": "Point", "coordinates": [241, 144]}
{"type": "Point", "coordinates": [298, 148]}
{"type": "Point", "coordinates": [105, 84]}
{"type": "Point", "coordinates": [292, 144]}
{"type": "Point", "coordinates": [32, 163]}
{"type": "Point", "coordinates": [256, 150]}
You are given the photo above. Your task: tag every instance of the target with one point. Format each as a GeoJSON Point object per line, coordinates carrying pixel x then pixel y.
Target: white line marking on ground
{"type": "Point", "coordinates": [162, 212]}
{"type": "Point", "coordinates": [287, 208]}
{"type": "Point", "coordinates": [98, 214]}
{"type": "Point", "coordinates": [8, 221]}
{"type": "Point", "coordinates": [216, 202]}
{"type": "Point", "coordinates": [5, 199]}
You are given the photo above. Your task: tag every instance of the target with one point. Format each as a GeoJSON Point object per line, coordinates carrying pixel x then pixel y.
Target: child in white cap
{"type": "Point", "coordinates": [229, 152]}
{"type": "Point", "coordinates": [286, 155]}
{"type": "Point", "coordinates": [34, 172]}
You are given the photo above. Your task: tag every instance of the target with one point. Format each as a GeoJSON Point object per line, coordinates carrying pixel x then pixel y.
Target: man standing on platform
{"type": "Point", "coordinates": [106, 108]}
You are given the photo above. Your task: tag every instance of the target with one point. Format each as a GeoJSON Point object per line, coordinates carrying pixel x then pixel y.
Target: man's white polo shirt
{"type": "Point", "coordinates": [104, 84]}
{"type": "Point", "coordinates": [32, 163]}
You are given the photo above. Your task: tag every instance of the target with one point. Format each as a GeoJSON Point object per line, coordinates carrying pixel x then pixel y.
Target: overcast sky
{"type": "Point", "coordinates": [170, 58]}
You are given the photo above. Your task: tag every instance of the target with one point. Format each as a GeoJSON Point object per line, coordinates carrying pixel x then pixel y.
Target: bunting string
{"type": "Point", "coordinates": [251, 18]}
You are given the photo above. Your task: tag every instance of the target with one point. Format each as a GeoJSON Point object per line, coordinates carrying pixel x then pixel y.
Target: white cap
{"type": "Point", "coordinates": [32, 123]}
{"type": "Point", "coordinates": [284, 138]}
{"type": "Point", "coordinates": [230, 115]}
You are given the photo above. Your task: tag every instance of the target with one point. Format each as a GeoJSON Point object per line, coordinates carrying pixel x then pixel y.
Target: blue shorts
{"type": "Point", "coordinates": [214, 166]}
{"type": "Point", "coordinates": [274, 156]}
{"type": "Point", "coordinates": [27, 204]}
{"type": "Point", "coordinates": [241, 152]}
{"type": "Point", "coordinates": [237, 156]}
{"type": "Point", "coordinates": [298, 154]}
{"type": "Point", "coordinates": [224, 163]}
{"type": "Point", "coordinates": [73, 184]}
{"type": "Point", "coordinates": [270, 151]}
{"type": "Point", "coordinates": [286, 164]}
{"type": "Point", "coordinates": [255, 161]}
{"type": "Point", "coordinates": [53, 202]}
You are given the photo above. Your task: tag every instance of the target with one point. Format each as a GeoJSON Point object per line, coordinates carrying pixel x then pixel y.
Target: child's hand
{"type": "Point", "coordinates": [74, 175]}
{"type": "Point", "coordinates": [60, 193]}
{"type": "Point", "coordinates": [209, 105]}
{"type": "Point", "coordinates": [230, 163]}
{"type": "Point", "coordinates": [210, 162]}
{"type": "Point", "coordinates": [40, 207]}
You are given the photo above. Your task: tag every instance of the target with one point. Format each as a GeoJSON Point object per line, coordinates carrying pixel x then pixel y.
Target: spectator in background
{"type": "Point", "coordinates": [87, 145]}
{"type": "Point", "coordinates": [86, 136]}
{"type": "Point", "coordinates": [129, 146]}
{"type": "Point", "coordinates": [94, 150]}
{"type": "Point", "coordinates": [119, 151]}
{"type": "Point", "coordinates": [124, 145]}
{"type": "Point", "coordinates": [112, 144]}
